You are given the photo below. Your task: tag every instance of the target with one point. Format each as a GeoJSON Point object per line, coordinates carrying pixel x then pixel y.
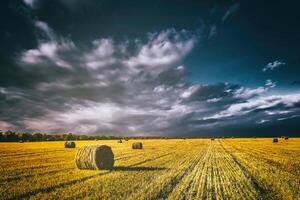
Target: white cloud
{"type": "Point", "coordinates": [5, 126]}
{"type": "Point", "coordinates": [232, 9]}
{"type": "Point", "coordinates": [45, 29]}
{"type": "Point", "coordinates": [262, 121]}
{"type": "Point", "coordinates": [273, 65]}
{"type": "Point", "coordinates": [181, 67]}
{"type": "Point", "coordinates": [189, 91]}
{"type": "Point", "coordinates": [246, 93]}
{"type": "Point", "coordinates": [261, 103]}
{"type": "Point", "coordinates": [30, 2]}
{"type": "Point", "coordinates": [102, 112]}
{"type": "Point", "coordinates": [162, 88]}
{"type": "Point", "coordinates": [278, 112]}
{"type": "Point", "coordinates": [93, 117]}
{"type": "Point", "coordinates": [10, 93]}
{"type": "Point", "coordinates": [281, 119]}
{"type": "Point", "coordinates": [289, 117]}
{"type": "Point", "coordinates": [102, 55]}
{"type": "Point", "coordinates": [146, 106]}
{"type": "Point", "coordinates": [212, 31]}
{"type": "Point", "coordinates": [138, 90]}
{"type": "Point", "coordinates": [47, 51]}
{"type": "Point", "coordinates": [163, 49]}
{"type": "Point", "coordinates": [213, 100]}
{"type": "Point", "coordinates": [270, 84]}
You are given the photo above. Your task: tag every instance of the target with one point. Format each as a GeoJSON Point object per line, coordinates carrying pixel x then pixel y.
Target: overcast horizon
{"type": "Point", "coordinates": [174, 68]}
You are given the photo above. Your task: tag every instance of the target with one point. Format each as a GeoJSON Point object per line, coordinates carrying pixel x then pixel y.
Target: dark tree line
{"type": "Point", "coordinates": [10, 136]}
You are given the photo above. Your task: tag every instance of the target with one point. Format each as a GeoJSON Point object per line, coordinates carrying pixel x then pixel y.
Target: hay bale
{"type": "Point", "coordinates": [286, 138]}
{"type": "Point", "coordinates": [275, 140]}
{"type": "Point", "coordinates": [212, 139]}
{"type": "Point", "coordinates": [137, 145]}
{"type": "Point", "coordinates": [95, 157]}
{"type": "Point", "coordinates": [120, 141]}
{"type": "Point", "coordinates": [21, 141]}
{"type": "Point", "coordinates": [69, 144]}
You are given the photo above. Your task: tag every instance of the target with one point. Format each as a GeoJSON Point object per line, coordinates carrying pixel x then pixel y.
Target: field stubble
{"type": "Point", "coordinates": [164, 169]}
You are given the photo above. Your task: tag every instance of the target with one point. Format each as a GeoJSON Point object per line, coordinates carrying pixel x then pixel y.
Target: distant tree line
{"type": "Point", "coordinates": [11, 136]}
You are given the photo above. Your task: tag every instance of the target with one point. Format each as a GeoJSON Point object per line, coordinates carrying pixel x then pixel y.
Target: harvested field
{"type": "Point", "coordinates": [163, 169]}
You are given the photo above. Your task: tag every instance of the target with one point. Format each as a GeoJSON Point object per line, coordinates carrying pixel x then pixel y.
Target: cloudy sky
{"type": "Point", "coordinates": [180, 67]}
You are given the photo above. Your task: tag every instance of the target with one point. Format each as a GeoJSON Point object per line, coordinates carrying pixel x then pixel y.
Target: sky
{"type": "Point", "coordinates": [150, 68]}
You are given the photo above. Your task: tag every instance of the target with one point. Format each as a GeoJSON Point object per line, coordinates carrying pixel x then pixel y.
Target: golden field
{"type": "Point", "coordinates": [164, 169]}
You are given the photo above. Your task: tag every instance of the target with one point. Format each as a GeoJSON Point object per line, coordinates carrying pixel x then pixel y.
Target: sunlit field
{"type": "Point", "coordinates": [163, 169]}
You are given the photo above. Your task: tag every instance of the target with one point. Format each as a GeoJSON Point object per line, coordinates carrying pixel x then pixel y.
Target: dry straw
{"type": "Point", "coordinates": [70, 145]}
{"type": "Point", "coordinates": [275, 140]}
{"type": "Point", "coordinates": [94, 157]}
{"type": "Point", "coordinates": [137, 145]}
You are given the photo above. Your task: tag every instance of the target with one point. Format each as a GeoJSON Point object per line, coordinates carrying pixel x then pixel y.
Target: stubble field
{"type": "Point", "coordinates": [164, 169]}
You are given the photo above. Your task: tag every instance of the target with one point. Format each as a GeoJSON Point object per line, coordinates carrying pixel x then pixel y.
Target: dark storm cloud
{"type": "Point", "coordinates": [295, 83]}
{"type": "Point", "coordinates": [105, 88]}
{"type": "Point", "coordinates": [137, 85]}
{"type": "Point", "coordinates": [98, 81]}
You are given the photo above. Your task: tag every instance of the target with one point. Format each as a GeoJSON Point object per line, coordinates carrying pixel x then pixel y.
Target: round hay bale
{"type": "Point", "coordinates": [286, 138]}
{"type": "Point", "coordinates": [70, 144]}
{"type": "Point", "coordinates": [137, 145]}
{"type": "Point", "coordinates": [95, 157]}
{"type": "Point", "coordinates": [275, 140]}
{"type": "Point", "coordinates": [120, 141]}
{"type": "Point", "coordinates": [212, 139]}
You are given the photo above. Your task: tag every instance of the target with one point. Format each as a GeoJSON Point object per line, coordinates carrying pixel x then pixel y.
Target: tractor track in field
{"type": "Point", "coordinates": [217, 174]}
{"type": "Point", "coordinates": [190, 191]}
{"type": "Point", "coordinates": [170, 185]}
{"type": "Point", "coordinates": [263, 193]}
{"type": "Point", "coordinates": [258, 154]}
